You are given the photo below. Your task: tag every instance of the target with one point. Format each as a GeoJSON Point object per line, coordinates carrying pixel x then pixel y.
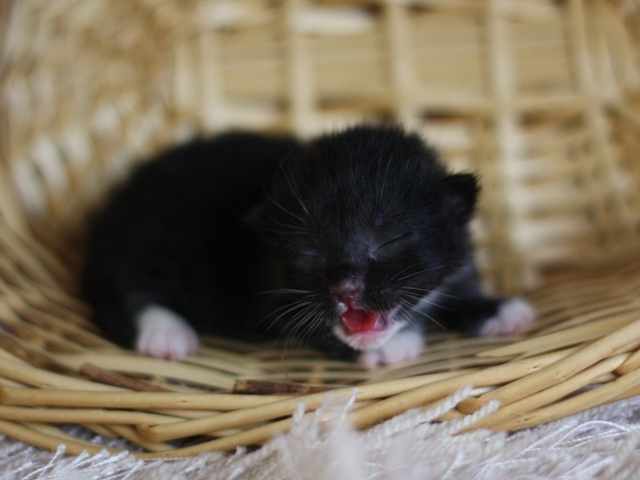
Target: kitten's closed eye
{"type": "Point", "coordinates": [398, 240]}
{"type": "Point", "coordinates": [303, 251]}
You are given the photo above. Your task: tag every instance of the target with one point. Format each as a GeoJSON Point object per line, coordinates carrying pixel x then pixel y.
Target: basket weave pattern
{"type": "Point", "coordinates": [538, 96]}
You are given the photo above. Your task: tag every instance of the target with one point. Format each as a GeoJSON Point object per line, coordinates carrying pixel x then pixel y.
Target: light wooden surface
{"type": "Point", "coordinates": [538, 96]}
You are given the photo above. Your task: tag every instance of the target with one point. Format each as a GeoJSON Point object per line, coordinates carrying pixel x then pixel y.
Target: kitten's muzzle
{"type": "Point", "coordinates": [346, 292]}
{"type": "Point", "coordinates": [359, 326]}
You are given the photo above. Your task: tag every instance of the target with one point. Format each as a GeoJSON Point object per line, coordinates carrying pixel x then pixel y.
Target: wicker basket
{"type": "Point", "coordinates": [538, 96]}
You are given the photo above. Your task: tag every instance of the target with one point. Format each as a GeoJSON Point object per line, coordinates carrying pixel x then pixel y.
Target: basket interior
{"type": "Point", "coordinates": [538, 96]}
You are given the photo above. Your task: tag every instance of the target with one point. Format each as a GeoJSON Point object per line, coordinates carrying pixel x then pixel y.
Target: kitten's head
{"type": "Point", "coordinates": [365, 223]}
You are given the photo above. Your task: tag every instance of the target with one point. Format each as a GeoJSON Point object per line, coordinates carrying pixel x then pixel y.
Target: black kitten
{"type": "Point", "coordinates": [359, 237]}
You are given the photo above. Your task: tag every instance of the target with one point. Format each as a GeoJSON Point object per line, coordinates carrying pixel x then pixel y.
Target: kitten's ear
{"type": "Point", "coordinates": [462, 192]}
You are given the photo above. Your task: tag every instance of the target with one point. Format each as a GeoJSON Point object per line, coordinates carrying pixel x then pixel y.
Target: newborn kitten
{"type": "Point", "coordinates": [359, 237]}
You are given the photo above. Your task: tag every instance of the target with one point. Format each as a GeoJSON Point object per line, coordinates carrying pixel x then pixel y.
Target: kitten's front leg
{"type": "Point", "coordinates": [514, 315]}
{"type": "Point", "coordinates": [407, 344]}
{"type": "Point", "coordinates": [465, 306]}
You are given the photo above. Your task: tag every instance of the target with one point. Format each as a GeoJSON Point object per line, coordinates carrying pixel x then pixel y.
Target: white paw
{"type": "Point", "coordinates": [402, 346]}
{"type": "Point", "coordinates": [513, 317]}
{"type": "Point", "coordinates": [164, 334]}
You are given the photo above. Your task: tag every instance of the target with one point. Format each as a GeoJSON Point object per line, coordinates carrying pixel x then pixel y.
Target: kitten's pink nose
{"type": "Point", "coordinates": [346, 292]}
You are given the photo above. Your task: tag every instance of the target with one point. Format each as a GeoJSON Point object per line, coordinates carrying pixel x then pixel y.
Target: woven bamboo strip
{"type": "Point", "coordinates": [40, 336]}
{"type": "Point", "coordinates": [582, 311]}
{"type": "Point", "coordinates": [251, 436]}
{"type": "Point", "coordinates": [223, 364]}
{"type": "Point", "coordinates": [35, 377]}
{"type": "Point", "coordinates": [550, 395]}
{"type": "Point", "coordinates": [30, 354]}
{"type": "Point", "coordinates": [50, 322]}
{"type": "Point", "coordinates": [101, 430]}
{"type": "Point", "coordinates": [586, 85]}
{"type": "Point", "coordinates": [48, 441]}
{"type": "Point", "coordinates": [22, 253]}
{"type": "Point", "coordinates": [82, 415]}
{"type": "Point", "coordinates": [242, 416]}
{"type": "Point", "coordinates": [107, 377]}
{"type": "Point", "coordinates": [66, 306]}
{"type": "Point", "coordinates": [132, 363]}
{"type": "Point", "coordinates": [21, 372]}
{"type": "Point", "coordinates": [295, 363]}
{"type": "Point", "coordinates": [426, 368]}
{"type": "Point", "coordinates": [630, 365]}
{"type": "Point", "coordinates": [407, 384]}
{"type": "Point", "coordinates": [580, 318]}
{"type": "Point", "coordinates": [131, 434]}
{"type": "Point", "coordinates": [599, 396]}
{"type": "Point", "coordinates": [248, 437]}
{"type": "Point", "coordinates": [567, 337]}
{"type": "Point", "coordinates": [313, 377]}
{"type": "Point", "coordinates": [561, 370]}
{"type": "Point", "coordinates": [487, 377]}
{"type": "Point", "coordinates": [132, 400]}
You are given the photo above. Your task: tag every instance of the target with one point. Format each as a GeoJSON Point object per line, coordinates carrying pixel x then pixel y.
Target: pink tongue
{"type": "Point", "coordinates": [357, 321]}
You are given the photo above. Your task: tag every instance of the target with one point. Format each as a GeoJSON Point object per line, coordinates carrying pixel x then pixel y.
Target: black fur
{"type": "Point", "coordinates": [206, 227]}
{"type": "Point", "coordinates": [175, 235]}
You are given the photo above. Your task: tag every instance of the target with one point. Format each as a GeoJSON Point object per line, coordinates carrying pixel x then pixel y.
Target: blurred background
{"type": "Point", "coordinates": [538, 96]}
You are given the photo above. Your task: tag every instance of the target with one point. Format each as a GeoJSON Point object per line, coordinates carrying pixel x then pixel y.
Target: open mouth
{"type": "Point", "coordinates": [366, 329]}
{"type": "Point", "coordinates": [360, 321]}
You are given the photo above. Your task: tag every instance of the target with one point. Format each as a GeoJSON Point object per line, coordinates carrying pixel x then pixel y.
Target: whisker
{"type": "Point", "coordinates": [409, 317]}
{"type": "Point", "coordinates": [422, 313]}
{"type": "Point", "coordinates": [421, 299]}
{"type": "Point", "coordinates": [290, 307]}
{"type": "Point", "coordinates": [301, 329]}
{"type": "Point", "coordinates": [380, 193]}
{"type": "Point", "coordinates": [313, 323]}
{"type": "Point", "coordinates": [292, 303]}
{"type": "Point", "coordinates": [301, 317]}
{"type": "Point", "coordinates": [301, 220]}
{"type": "Point", "coordinates": [396, 274]}
{"type": "Point", "coordinates": [296, 192]}
{"type": "Point", "coordinates": [411, 307]}
{"type": "Point", "coordinates": [310, 293]}
{"type": "Point", "coordinates": [281, 232]}
{"type": "Point", "coordinates": [426, 270]}
{"type": "Point", "coordinates": [292, 330]}
{"type": "Point", "coordinates": [427, 291]}
{"type": "Point", "coordinates": [285, 225]}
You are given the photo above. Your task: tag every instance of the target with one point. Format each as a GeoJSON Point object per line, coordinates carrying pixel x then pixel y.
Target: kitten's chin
{"type": "Point", "coordinates": [380, 327]}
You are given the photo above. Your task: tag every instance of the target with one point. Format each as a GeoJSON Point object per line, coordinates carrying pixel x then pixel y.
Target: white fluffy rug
{"type": "Point", "coordinates": [600, 443]}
